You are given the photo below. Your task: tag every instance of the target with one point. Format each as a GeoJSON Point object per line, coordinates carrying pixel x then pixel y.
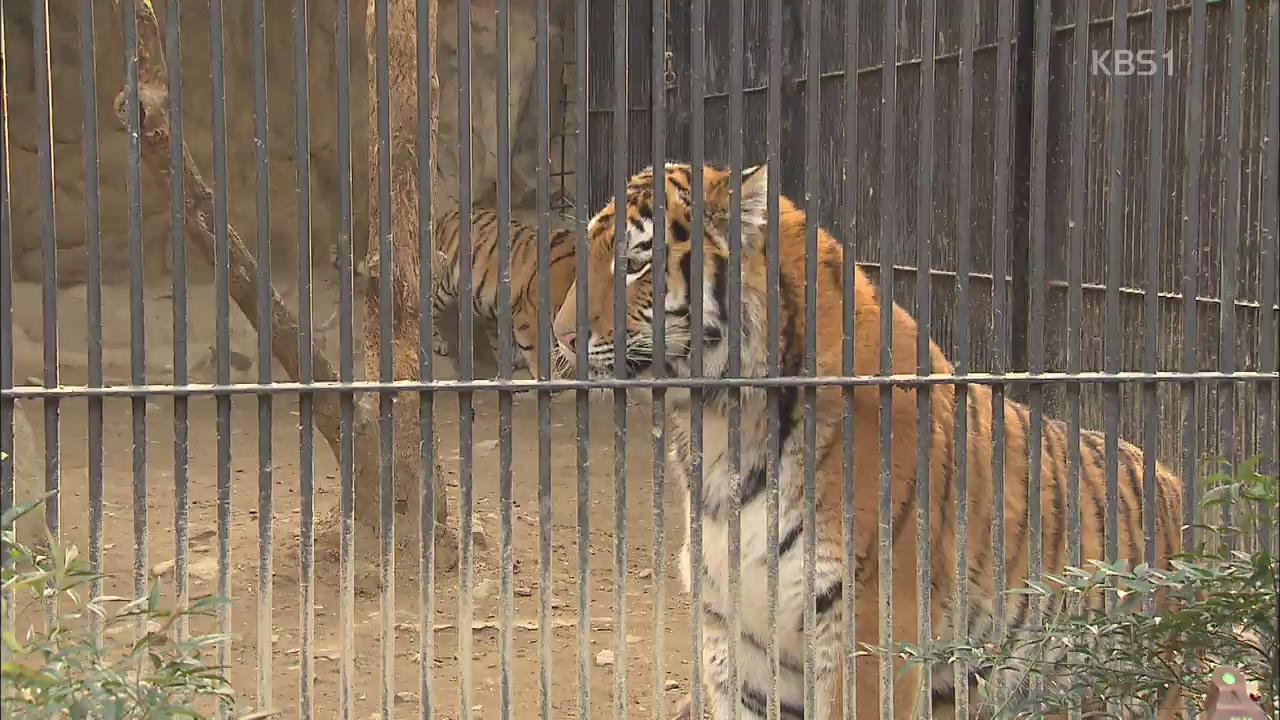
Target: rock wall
{"type": "Point", "coordinates": [68, 129]}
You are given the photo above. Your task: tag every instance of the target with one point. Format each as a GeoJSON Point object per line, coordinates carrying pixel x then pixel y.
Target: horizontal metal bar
{"type": "Point", "coordinates": [1134, 15]}
{"type": "Point", "coordinates": [1087, 378]}
{"type": "Point", "coordinates": [1067, 285]}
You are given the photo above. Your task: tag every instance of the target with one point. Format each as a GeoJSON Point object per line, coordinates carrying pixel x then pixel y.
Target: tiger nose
{"type": "Point", "coordinates": [566, 340]}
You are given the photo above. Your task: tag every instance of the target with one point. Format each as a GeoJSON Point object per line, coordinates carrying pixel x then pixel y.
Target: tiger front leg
{"type": "Point", "coordinates": [518, 360]}
{"type": "Point", "coordinates": [443, 296]}
{"type": "Point", "coordinates": [724, 701]}
{"type": "Point", "coordinates": [439, 345]}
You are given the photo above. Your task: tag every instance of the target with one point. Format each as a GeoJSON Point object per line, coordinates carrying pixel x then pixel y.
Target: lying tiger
{"type": "Point", "coordinates": [750, 698]}
{"type": "Point", "coordinates": [446, 272]}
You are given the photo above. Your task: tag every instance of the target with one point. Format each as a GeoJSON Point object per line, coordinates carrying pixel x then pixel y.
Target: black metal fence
{"type": "Point", "coordinates": [1077, 201]}
{"type": "Point", "coordinates": [1213, 249]}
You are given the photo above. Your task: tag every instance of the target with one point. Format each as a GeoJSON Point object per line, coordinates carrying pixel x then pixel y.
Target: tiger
{"type": "Point", "coordinates": [750, 698]}
{"type": "Point", "coordinates": [445, 278]}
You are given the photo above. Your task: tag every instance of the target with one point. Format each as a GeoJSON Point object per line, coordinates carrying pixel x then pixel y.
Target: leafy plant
{"type": "Point", "coordinates": [1116, 638]}
{"type": "Point", "coordinates": [136, 669]}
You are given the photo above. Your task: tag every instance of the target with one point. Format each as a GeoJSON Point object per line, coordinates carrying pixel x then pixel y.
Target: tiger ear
{"type": "Point", "coordinates": [755, 197]}
{"type": "Point", "coordinates": [754, 207]}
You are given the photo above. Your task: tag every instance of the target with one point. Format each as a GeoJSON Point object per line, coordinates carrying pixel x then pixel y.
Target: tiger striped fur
{"type": "Point", "coordinates": [445, 278]}
{"type": "Point", "coordinates": [749, 698]}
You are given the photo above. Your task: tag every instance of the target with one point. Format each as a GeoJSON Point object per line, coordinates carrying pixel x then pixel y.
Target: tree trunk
{"type": "Point", "coordinates": [400, 273]}
{"type": "Point", "coordinates": [155, 137]}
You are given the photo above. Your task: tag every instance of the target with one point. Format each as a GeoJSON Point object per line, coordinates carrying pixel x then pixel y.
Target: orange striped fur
{"type": "Point", "coordinates": [862, 298]}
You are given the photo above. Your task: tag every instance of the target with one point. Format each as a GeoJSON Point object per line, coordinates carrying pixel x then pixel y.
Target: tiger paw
{"type": "Point", "coordinates": [439, 346]}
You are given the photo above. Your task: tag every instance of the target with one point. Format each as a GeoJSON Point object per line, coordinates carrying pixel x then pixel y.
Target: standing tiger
{"type": "Point", "coordinates": [445, 276]}
{"type": "Point", "coordinates": [750, 698]}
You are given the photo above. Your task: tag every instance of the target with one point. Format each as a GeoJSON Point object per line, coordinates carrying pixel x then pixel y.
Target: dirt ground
{"type": "Point", "coordinates": [638, 619]}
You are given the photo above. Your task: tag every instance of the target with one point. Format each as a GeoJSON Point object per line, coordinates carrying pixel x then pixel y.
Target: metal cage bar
{"type": "Point", "coordinates": [93, 317]}
{"type": "Point", "coordinates": [346, 365]}
{"type": "Point", "coordinates": [49, 277]}
{"type": "Point", "coordinates": [895, 173]}
{"type": "Point", "coordinates": [222, 310]}
{"type": "Point", "coordinates": [306, 370]}
{"type": "Point", "coordinates": [266, 483]}
{"type": "Point", "coordinates": [8, 408]}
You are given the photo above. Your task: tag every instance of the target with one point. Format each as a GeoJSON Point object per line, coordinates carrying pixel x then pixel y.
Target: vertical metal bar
{"type": "Point", "coordinates": [1194, 148]}
{"type": "Point", "coordinates": [466, 410]}
{"type": "Point", "coordinates": [621, 141]}
{"type": "Point", "coordinates": [426, 400]}
{"type": "Point", "coordinates": [8, 408]}
{"type": "Point", "coordinates": [306, 372]}
{"type": "Point", "coordinates": [386, 367]}
{"type": "Point", "coordinates": [1271, 274]}
{"type": "Point", "coordinates": [733, 302]}
{"type": "Point", "coordinates": [1075, 274]}
{"type": "Point", "coordinates": [1151, 300]}
{"type": "Point", "coordinates": [49, 259]}
{"type": "Point", "coordinates": [222, 318]}
{"type": "Point", "coordinates": [137, 313]}
{"type": "Point", "coordinates": [1232, 235]}
{"type": "Point", "coordinates": [1020, 252]}
{"type": "Point", "coordinates": [346, 366]}
{"type": "Point", "coordinates": [266, 524]}
{"type": "Point", "coordinates": [582, 213]}
{"type": "Point", "coordinates": [1267, 392]}
{"type": "Point", "coordinates": [963, 321]}
{"type": "Point", "coordinates": [1000, 312]}
{"type": "Point", "coordinates": [812, 117]}
{"type": "Point", "coordinates": [93, 312]}
{"type": "Point", "coordinates": [924, 318]}
{"type": "Point", "coordinates": [1075, 271]}
{"type": "Point", "coordinates": [658, 109]}
{"type": "Point", "coordinates": [697, 152]}
{"type": "Point", "coordinates": [542, 99]}
{"type": "Point", "coordinates": [774, 355]}
{"type": "Point", "coordinates": [1111, 361]}
{"type": "Point", "coordinates": [1036, 239]}
{"type": "Point", "coordinates": [181, 404]}
{"type": "Point", "coordinates": [506, 619]}
{"type": "Point", "coordinates": [888, 236]}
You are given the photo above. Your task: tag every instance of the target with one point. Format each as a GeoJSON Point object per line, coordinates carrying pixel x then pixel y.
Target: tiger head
{"type": "Point", "coordinates": [638, 268]}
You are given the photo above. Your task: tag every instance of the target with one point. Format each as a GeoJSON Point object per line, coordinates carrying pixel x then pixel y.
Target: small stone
{"type": "Point", "coordinates": [478, 538]}
{"type": "Point", "coordinates": [604, 658]}
{"type": "Point", "coordinates": [672, 685]}
{"type": "Point", "coordinates": [406, 697]}
{"type": "Point", "coordinates": [163, 568]}
{"type": "Point", "coordinates": [522, 591]}
{"type": "Point", "coordinates": [645, 574]}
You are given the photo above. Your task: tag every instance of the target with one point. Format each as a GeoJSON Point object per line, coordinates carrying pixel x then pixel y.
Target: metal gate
{"type": "Point", "coordinates": [1077, 203]}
